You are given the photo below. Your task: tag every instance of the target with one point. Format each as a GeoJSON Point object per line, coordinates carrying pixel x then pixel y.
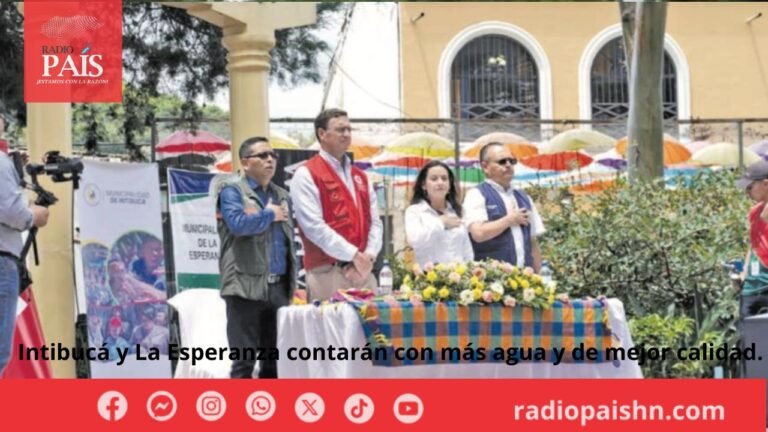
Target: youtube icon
{"type": "Point", "coordinates": [408, 408]}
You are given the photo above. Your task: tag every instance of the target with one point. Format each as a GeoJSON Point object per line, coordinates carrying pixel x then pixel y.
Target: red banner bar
{"type": "Point", "coordinates": [330, 405]}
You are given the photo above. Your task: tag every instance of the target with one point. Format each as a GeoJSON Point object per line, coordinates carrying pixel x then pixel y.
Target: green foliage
{"type": "Point", "coordinates": [652, 247]}
{"type": "Point", "coordinates": [659, 251]}
{"type": "Point", "coordinates": [107, 123]}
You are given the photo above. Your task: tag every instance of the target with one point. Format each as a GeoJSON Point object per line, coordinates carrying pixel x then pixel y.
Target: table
{"type": "Point", "coordinates": [339, 325]}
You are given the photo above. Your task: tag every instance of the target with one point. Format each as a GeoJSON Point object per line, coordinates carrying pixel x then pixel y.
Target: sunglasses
{"type": "Point", "coordinates": [264, 155]}
{"type": "Point", "coordinates": [506, 161]}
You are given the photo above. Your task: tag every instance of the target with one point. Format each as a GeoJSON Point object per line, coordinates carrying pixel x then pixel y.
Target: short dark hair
{"type": "Point", "coordinates": [149, 312]}
{"type": "Point", "coordinates": [322, 119]}
{"type": "Point", "coordinates": [487, 147]}
{"type": "Point", "coordinates": [245, 147]}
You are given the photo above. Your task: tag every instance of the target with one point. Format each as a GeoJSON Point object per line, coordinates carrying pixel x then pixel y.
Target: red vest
{"type": "Point", "coordinates": [353, 222]}
{"type": "Point", "coordinates": [758, 233]}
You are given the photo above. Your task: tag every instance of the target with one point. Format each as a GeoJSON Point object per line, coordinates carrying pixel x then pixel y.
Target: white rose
{"type": "Point", "coordinates": [529, 294]}
{"type": "Point", "coordinates": [497, 288]}
{"type": "Point", "coordinates": [466, 297]}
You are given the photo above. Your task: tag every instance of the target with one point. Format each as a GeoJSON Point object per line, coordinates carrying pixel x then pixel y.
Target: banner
{"type": "Point", "coordinates": [124, 269]}
{"type": "Point", "coordinates": [193, 224]}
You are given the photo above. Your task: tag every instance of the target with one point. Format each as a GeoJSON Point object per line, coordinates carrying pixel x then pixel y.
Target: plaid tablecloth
{"type": "Point", "coordinates": [516, 331]}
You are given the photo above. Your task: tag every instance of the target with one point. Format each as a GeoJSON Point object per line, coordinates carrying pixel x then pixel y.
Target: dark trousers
{"type": "Point", "coordinates": [253, 324]}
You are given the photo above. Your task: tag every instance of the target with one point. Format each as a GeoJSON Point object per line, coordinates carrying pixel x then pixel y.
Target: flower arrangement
{"type": "Point", "coordinates": [484, 282]}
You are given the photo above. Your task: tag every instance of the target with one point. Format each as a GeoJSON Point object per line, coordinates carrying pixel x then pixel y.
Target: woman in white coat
{"type": "Point", "coordinates": [433, 224]}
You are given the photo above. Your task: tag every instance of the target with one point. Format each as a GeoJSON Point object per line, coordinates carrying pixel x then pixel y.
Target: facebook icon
{"type": "Point", "coordinates": [112, 406]}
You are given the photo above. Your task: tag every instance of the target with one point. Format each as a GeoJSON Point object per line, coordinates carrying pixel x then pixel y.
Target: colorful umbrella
{"type": "Point", "coordinates": [424, 144]}
{"type": "Point", "coordinates": [224, 164]}
{"type": "Point", "coordinates": [502, 137]}
{"type": "Point", "coordinates": [563, 161]}
{"type": "Point", "coordinates": [518, 146]}
{"type": "Point", "coordinates": [611, 159]}
{"type": "Point", "coordinates": [282, 141]}
{"type": "Point", "coordinates": [674, 152]}
{"type": "Point", "coordinates": [520, 150]}
{"type": "Point", "coordinates": [590, 141]}
{"type": "Point", "coordinates": [724, 154]}
{"type": "Point", "coordinates": [182, 142]}
{"type": "Point", "coordinates": [399, 161]}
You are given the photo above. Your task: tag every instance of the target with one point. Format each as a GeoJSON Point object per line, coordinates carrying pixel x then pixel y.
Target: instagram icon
{"type": "Point", "coordinates": [211, 406]}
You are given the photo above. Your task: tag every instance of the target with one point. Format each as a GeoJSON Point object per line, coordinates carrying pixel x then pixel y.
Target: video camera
{"type": "Point", "coordinates": [56, 166]}
{"type": "Point", "coordinates": [59, 169]}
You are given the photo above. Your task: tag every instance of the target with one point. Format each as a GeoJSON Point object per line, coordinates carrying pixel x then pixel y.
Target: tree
{"type": "Point", "coordinates": [167, 51]}
{"type": "Point", "coordinates": [645, 124]}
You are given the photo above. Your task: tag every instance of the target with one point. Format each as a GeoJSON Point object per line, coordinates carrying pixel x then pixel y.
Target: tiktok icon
{"type": "Point", "coordinates": [112, 406]}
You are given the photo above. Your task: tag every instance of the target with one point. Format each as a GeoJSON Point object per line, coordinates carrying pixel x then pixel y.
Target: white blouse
{"type": "Point", "coordinates": [431, 241]}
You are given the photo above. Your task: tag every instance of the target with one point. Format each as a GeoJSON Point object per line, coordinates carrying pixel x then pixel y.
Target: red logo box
{"type": "Point", "coordinates": [73, 51]}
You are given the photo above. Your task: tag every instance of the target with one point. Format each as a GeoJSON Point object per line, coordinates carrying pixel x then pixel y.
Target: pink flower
{"type": "Point", "coordinates": [454, 277]}
{"type": "Point", "coordinates": [509, 301]}
{"type": "Point", "coordinates": [487, 296]}
{"type": "Point", "coordinates": [528, 271]}
{"type": "Point", "coordinates": [416, 300]}
{"type": "Point", "coordinates": [479, 272]}
{"type": "Point", "coordinates": [506, 268]}
{"type": "Point", "coordinates": [428, 266]}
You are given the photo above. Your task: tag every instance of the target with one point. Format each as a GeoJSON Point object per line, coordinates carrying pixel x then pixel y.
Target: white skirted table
{"type": "Point", "coordinates": [339, 325]}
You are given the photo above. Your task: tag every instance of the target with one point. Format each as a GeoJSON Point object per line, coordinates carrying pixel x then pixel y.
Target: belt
{"type": "Point", "coordinates": [273, 278]}
{"type": "Point", "coordinates": [9, 255]}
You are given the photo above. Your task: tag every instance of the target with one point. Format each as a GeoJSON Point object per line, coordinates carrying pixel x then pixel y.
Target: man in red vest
{"type": "Point", "coordinates": [754, 288]}
{"type": "Point", "coordinates": [337, 213]}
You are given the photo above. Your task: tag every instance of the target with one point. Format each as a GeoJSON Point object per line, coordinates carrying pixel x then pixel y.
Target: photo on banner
{"type": "Point", "coordinates": [124, 268]}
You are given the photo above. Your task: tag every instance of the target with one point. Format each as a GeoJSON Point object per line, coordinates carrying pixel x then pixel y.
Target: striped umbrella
{"type": "Point", "coordinates": [186, 142]}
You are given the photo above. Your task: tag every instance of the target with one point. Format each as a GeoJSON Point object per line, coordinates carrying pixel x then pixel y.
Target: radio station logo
{"type": "Point", "coordinates": [73, 51]}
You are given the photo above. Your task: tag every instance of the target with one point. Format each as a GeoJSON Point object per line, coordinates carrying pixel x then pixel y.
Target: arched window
{"type": "Point", "coordinates": [493, 77]}
{"type": "Point", "coordinates": [609, 87]}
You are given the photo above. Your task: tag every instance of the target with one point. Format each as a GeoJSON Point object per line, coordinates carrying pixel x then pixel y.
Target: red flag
{"type": "Point", "coordinates": [28, 332]}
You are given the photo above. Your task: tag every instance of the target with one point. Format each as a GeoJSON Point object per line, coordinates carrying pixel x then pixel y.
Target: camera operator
{"type": "Point", "coordinates": [15, 217]}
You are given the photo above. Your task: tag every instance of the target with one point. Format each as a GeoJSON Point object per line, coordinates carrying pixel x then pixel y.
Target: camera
{"type": "Point", "coordinates": [58, 168]}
